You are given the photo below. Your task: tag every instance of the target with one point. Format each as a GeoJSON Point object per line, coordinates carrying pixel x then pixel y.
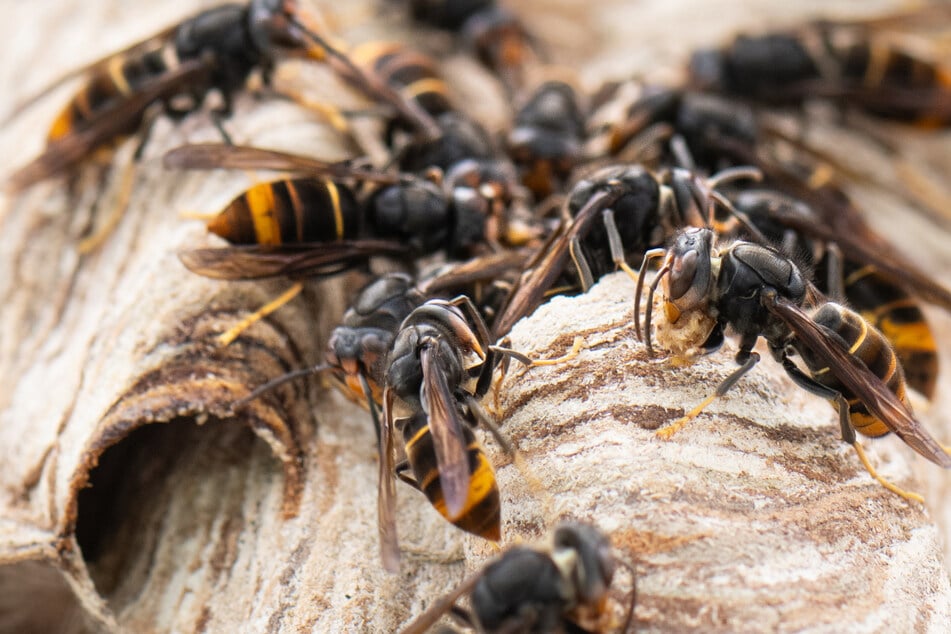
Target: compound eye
{"type": "Point", "coordinates": [683, 272]}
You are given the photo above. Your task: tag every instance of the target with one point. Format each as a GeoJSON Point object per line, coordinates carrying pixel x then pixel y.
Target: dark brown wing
{"type": "Point", "coordinates": [445, 425]}
{"type": "Point", "coordinates": [862, 245]}
{"type": "Point", "coordinates": [386, 490]}
{"type": "Point", "coordinates": [458, 276]}
{"type": "Point", "coordinates": [920, 102]}
{"type": "Point", "coordinates": [858, 379]}
{"type": "Point", "coordinates": [222, 156]}
{"type": "Point", "coordinates": [103, 62]}
{"type": "Point", "coordinates": [529, 292]}
{"type": "Point", "coordinates": [255, 261]}
{"type": "Point", "coordinates": [442, 605]}
{"type": "Point", "coordinates": [67, 152]}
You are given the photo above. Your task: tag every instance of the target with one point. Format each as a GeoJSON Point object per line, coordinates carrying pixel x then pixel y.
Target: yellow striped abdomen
{"type": "Point", "coordinates": [290, 211]}
{"type": "Point", "coordinates": [118, 79]}
{"type": "Point", "coordinates": [481, 513]}
{"type": "Point", "coordinates": [869, 345]}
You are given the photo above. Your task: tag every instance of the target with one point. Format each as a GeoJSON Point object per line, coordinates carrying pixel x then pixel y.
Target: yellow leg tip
{"type": "Point", "coordinates": [914, 497]}
{"type": "Point", "coordinates": [235, 331]}
{"type": "Point", "coordinates": [908, 495]}
{"type": "Point", "coordinates": [670, 430]}
{"type": "Point", "coordinates": [577, 346]}
{"type": "Point", "coordinates": [228, 336]}
{"type": "Point", "coordinates": [667, 433]}
{"type": "Point", "coordinates": [96, 240]}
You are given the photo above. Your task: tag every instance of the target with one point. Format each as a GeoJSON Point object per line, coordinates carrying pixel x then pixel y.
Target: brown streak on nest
{"type": "Point", "coordinates": [828, 468]}
{"type": "Point", "coordinates": [538, 391]}
{"type": "Point", "coordinates": [649, 417]}
{"type": "Point", "coordinates": [650, 543]}
{"type": "Point", "coordinates": [226, 550]}
{"type": "Point", "coordinates": [289, 583]}
{"type": "Point", "coordinates": [32, 478]}
{"type": "Point", "coordinates": [582, 379]}
{"type": "Point", "coordinates": [564, 428]}
{"type": "Point", "coordinates": [731, 502]}
{"type": "Point", "coordinates": [297, 558]}
{"type": "Point", "coordinates": [326, 459]}
{"type": "Point", "coordinates": [831, 519]}
{"type": "Point", "coordinates": [525, 530]}
{"type": "Point", "coordinates": [783, 433]}
{"type": "Point", "coordinates": [323, 606]}
{"type": "Point", "coordinates": [683, 614]}
{"type": "Point", "coordinates": [204, 617]}
{"type": "Point", "coordinates": [598, 334]}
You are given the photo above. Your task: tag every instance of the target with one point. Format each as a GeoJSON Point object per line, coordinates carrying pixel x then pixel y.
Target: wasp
{"type": "Point", "coordinates": [758, 292]}
{"type": "Point", "coordinates": [547, 138]}
{"type": "Point", "coordinates": [814, 219]}
{"type": "Point", "coordinates": [317, 224]}
{"type": "Point", "coordinates": [892, 308]}
{"type": "Point", "coordinates": [440, 365]}
{"type": "Point", "coordinates": [710, 132]}
{"type": "Point", "coordinates": [532, 590]}
{"type": "Point", "coordinates": [865, 64]}
{"type": "Point", "coordinates": [215, 50]}
{"type": "Point", "coordinates": [639, 210]}
{"type": "Point", "coordinates": [294, 227]}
